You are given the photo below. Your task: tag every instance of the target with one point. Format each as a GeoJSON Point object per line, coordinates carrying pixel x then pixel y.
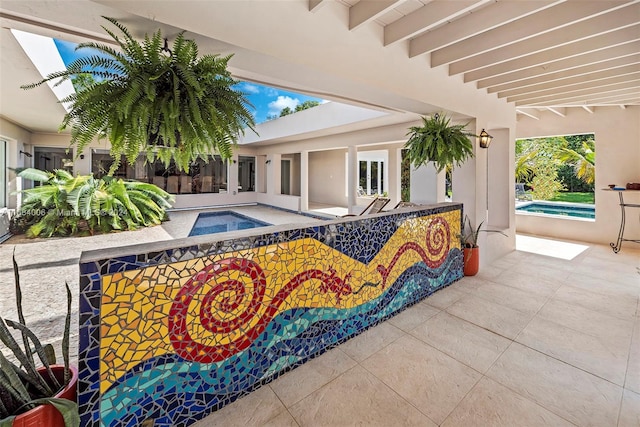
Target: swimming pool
{"type": "Point", "coordinates": [560, 209]}
{"type": "Point", "coordinates": [220, 222]}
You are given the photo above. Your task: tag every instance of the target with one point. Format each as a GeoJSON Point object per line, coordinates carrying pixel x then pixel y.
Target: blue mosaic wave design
{"type": "Point", "coordinates": [190, 390]}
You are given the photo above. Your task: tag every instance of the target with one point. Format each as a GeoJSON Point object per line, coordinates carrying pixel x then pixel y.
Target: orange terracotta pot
{"type": "Point", "coordinates": [471, 261]}
{"type": "Point", "coordinates": [47, 415]}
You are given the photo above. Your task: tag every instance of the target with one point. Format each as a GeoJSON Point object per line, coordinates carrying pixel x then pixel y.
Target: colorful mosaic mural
{"type": "Point", "coordinates": [175, 335]}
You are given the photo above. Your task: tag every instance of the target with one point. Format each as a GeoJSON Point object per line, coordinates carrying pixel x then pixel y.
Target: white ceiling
{"type": "Point", "coordinates": [539, 55]}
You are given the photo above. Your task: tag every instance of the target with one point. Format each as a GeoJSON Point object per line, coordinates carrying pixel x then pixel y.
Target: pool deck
{"type": "Point", "coordinates": [548, 335]}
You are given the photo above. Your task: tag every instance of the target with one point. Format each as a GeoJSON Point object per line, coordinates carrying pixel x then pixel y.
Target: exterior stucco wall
{"type": "Point", "coordinates": [327, 177]}
{"type": "Point", "coordinates": [617, 135]}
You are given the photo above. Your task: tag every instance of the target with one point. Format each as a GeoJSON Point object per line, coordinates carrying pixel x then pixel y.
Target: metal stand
{"type": "Point", "coordinates": [618, 244]}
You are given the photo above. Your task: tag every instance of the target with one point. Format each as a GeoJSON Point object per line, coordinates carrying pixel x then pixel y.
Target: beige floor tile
{"type": "Point", "coordinates": [491, 404]}
{"type": "Point", "coordinates": [602, 286]}
{"type": "Point", "coordinates": [518, 299]}
{"type": "Point", "coordinates": [537, 285]}
{"type": "Point", "coordinates": [497, 318]}
{"type": "Point", "coordinates": [367, 343]}
{"type": "Point", "coordinates": [540, 271]}
{"type": "Point", "coordinates": [609, 271]}
{"type": "Point", "coordinates": [489, 272]}
{"type": "Point", "coordinates": [605, 357]}
{"type": "Point", "coordinates": [304, 380]}
{"type": "Point", "coordinates": [469, 283]}
{"type": "Point", "coordinates": [630, 411]}
{"type": "Point", "coordinates": [576, 395]}
{"type": "Point", "coordinates": [618, 306]}
{"type": "Point", "coordinates": [254, 409]}
{"type": "Point", "coordinates": [357, 397]}
{"type": "Point", "coordinates": [445, 297]}
{"type": "Point", "coordinates": [632, 382]}
{"type": "Point", "coordinates": [585, 320]}
{"type": "Point", "coordinates": [413, 316]}
{"type": "Point", "coordinates": [470, 344]}
{"type": "Point", "coordinates": [427, 378]}
{"type": "Point", "coordinates": [284, 419]}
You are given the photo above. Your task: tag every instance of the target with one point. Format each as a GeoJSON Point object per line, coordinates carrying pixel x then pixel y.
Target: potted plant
{"type": "Point", "coordinates": [36, 393]}
{"type": "Point", "coordinates": [440, 142]}
{"type": "Point", "coordinates": [470, 248]}
{"type": "Point", "coordinates": [145, 97]}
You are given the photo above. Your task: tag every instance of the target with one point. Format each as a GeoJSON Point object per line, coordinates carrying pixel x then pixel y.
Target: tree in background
{"type": "Point", "coordinates": [553, 164]}
{"type": "Point", "coordinates": [580, 155]}
{"type": "Point", "coordinates": [304, 106]}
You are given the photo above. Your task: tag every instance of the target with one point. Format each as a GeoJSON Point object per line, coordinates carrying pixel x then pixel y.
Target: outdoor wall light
{"type": "Point", "coordinates": [485, 139]}
{"type": "Point", "coordinates": [26, 154]}
{"type": "Point", "coordinates": [267, 162]}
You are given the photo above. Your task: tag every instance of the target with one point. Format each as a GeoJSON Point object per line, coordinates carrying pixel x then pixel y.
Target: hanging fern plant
{"type": "Point", "coordinates": [439, 142]}
{"type": "Point", "coordinates": [145, 97]}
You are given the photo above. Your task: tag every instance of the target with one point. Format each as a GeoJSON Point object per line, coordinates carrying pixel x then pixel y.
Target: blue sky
{"type": "Point", "coordinates": [267, 101]}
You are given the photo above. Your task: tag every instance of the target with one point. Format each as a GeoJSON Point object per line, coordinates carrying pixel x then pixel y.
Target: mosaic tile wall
{"type": "Point", "coordinates": [174, 335]}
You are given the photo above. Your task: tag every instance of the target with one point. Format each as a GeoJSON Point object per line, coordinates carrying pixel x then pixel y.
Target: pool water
{"type": "Point", "coordinates": [559, 209]}
{"type": "Point", "coordinates": [221, 222]}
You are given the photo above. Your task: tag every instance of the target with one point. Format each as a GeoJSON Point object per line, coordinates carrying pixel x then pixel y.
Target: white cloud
{"type": "Point", "coordinates": [249, 88]}
{"type": "Point", "coordinates": [269, 91]}
{"type": "Point", "coordinates": [283, 101]}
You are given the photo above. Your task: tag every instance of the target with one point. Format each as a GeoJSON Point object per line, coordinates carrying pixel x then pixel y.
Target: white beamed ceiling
{"type": "Point", "coordinates": [536, 54]}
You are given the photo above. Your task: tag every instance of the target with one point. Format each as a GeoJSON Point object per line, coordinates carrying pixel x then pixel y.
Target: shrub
{"type": "Point", "coordinates": [65, 205]}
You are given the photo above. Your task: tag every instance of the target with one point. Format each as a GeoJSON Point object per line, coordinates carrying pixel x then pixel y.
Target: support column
{"type": "Point", "coordinates": [352, 177]}
{"type": "Point", "coordinates": [304, 180]}
{"type": "Point", "coordinates": [392, 175]}
{"type": "Point", "coordinates": [427, 185]}
{"type": "Point", "coordinates": [232, 175]}
{"type": "Point", "coordinates": [273, 173]}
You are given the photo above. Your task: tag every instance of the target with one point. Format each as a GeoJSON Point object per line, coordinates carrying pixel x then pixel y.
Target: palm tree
{"type": "Point", "coordinates": [584, 163]}
{"type": "Point", "coordinates": [146, 97]}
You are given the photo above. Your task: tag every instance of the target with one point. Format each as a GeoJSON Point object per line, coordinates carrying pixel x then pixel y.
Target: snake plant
{"type": "Point", "coordinates": [22, 387]}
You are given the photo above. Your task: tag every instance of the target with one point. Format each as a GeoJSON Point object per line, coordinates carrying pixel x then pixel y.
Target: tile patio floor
{"type": "Point", "coordinates": [533, 340]}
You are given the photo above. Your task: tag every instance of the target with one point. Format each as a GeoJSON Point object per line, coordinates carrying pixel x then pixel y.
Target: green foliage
{"type": "Point", "coordinates": [22, 387]}
{"type": "Point", "coordinates": [583, 161]}
{"type": "Point", "coordinates": [440, 142]}
{"type": "Point", "coordinates": [173, 106]}
{"type": "Point", "coordinates": [405, 177]}
{"type": "Point", "coordinates": [66, 205]}
{"type": "Point", "coordinates": [554, 163]}
{"type": "Point", "coordinates": [286, 111]}
{"type": "Point", "coordinates": [545, 183]}
{"type": "Point", "coordinates": [306, 105]}
{"type": "Point", "coordinates": [575, 197]}
{"type": "Point", "coordinates": [469, 236]}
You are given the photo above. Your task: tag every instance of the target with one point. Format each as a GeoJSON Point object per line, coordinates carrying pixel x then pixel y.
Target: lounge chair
{"type": "Point", "coordinates": [375, 206]}
{"type": "Point", "coordinates": [521, 193]}
{"type": "Point", "coordinates": [402, 204]}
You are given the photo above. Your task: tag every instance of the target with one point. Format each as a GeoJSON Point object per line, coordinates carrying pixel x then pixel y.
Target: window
{"type": "Point", "coordinates": [205, 175]}
{"type": "Point", "coordinates": [246, 173]}
{"type": "Point", "coordinates": [50, 159]}
{"type": "Point", "coordinates": [371, 177]}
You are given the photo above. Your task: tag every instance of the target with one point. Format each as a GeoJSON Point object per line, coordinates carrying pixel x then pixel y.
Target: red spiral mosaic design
{"type": "Point", "coordinates": [213, 275]}
{"type": "Point", "coordinates": [437, 241]}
